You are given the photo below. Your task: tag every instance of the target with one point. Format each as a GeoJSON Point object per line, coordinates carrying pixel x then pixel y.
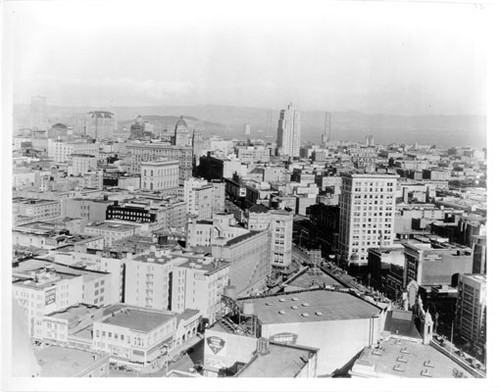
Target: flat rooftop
{"type": "Point", "coordinates": [406, 358]}
{"type": "Point", "coordinates": [281, 361]}
{"type": "Point", "coordinates": [137, 319]}
{"type": "Point", "coordinates": [312, 306]}
{"type": "Point", "coordinates": [57, 361]}
{"type": "Point", "coordinates": [73, 311]}
{"type": "Point", "coordinates": [208, 267]}
{"type": "Point", "coordinates": [110, 226]}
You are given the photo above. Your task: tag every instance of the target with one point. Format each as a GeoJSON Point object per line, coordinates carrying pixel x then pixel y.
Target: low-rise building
{"type": "Point", "coordinates": [133, 334]}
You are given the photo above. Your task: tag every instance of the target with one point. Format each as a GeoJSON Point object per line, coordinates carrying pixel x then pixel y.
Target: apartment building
{"type": "Point", "coordinates": [199, 284]}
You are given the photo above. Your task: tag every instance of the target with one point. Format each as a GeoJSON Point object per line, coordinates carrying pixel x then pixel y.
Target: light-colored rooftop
{"type": "Point", "coordinates": [137, 319]}
{"type": "Point", "coordinates": [312, 306]}
{"type": "Point", "coordinates": [57, 361]}
{"type": "Point", "coordinates": [281, 361]}
{"type": "Point", "coordinates": [405, 358]}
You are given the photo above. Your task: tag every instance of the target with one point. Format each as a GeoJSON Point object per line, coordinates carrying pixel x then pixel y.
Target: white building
{"type": "Point", "coordinates": [198, 284]}
{"type": "Point", "coordinates": [160, 175]}
{"type": "Point", "coordinates": [81, 164]}
{"type": "Point", "coordinates": [367, 208]}
{"type": "Point", "coordinates": [61, 151]}
{"type": "Point", "coordinates": [43, 292]}
{"type": "Point", "coordinates": [280, 226]}
{"type": "Point", "coordinates": [147, 280]}
{"type": "Point", "coordinates": [204, 198]}
{"type": "Point", "coordinates": [288, 141]}
{"type": "Point", "coordinates": [111, 231]}
{"type": "Point", "coordinates": [38, 113]}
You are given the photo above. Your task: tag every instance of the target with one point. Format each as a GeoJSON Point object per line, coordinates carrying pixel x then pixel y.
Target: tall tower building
{"type": "Point", "coordinates": [38, 113]}
{"type": "Point", "coordinates": [325, 138]}
{"type": "Point", "coordinates": [367, 207]}
{"type": "Point", "coordinates": [471, 309]}
{"type": "Point", "coordinates": [289, 132]}
{"type": "Point", "coordinates": [182, 135]}
{"type": "Point", "coordinates": [100, 124]}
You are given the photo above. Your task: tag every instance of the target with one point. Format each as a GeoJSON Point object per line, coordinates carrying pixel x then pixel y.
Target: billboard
{"type": "Point", "coordinates": [284, 338]}
{"type": "Point", "coordinates": [50, 296]}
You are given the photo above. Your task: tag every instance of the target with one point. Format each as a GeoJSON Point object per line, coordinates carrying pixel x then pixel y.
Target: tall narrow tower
{"type": "Point", "coordinates": [325, 138]}
{"type": "Point", "coordinates": [288, 139]}
{"type": "Point", "coordinates": [38, 113]}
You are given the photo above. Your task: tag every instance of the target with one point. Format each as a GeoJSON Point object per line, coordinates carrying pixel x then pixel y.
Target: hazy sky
{"type": "Point", "coordinates": [371, 57]}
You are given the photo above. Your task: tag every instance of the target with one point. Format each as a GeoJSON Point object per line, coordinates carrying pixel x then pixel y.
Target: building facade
{"type": "Point", "coordinates": [159, 175]}
{"type": "Point", "coordinates": [367, 208]}
{"type": "Point", "coordinates": [288, 141]}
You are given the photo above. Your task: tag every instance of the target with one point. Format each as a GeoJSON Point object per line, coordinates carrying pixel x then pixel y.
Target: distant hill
{"type": "Point", "coordinates": [228, 121]}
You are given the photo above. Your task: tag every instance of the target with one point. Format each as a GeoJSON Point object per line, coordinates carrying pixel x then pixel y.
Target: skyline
{"type": "Point", "coordinates": [189, 59]}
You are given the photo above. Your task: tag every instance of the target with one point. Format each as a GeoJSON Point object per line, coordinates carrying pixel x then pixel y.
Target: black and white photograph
{"type": "Point", "coordinates": [232, 195]}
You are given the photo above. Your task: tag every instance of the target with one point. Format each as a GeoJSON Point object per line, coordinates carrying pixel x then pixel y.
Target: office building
{"type": "Point", "coordinates": [367, 208]}
{"type": "Point", "coordinates": [204, 198]}
{"type": "Point", "coordinates": [82, 164]}
{"type": "Point", "coordinates": [182, 135]}
{"type": "Point", "coordinates": [280, 226]}
{"type": "Point", "coordinates": [100, 124]}
{"type": "Point", "coordinates": [288, 141]}
{"type": "Point", "coordinates": [61, 151]}
{"type": "Point", "coordinates": [38, 113]}
{"type": "Point", "coordinates": [470, 320]}
{"type": "Point", "coordinates": [249, 255]}
{"type": "Point", "coordinates": [147, 152]}
{"type": "Point", "coordinates": [110, 231]}
{"type": "Point", "coordinates": [159, 175]}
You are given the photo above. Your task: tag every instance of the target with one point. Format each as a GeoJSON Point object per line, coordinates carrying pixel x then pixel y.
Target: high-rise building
{"type": "Point", "coordinates": [367, 207]}
{"type": "Point", "coordinates": [288, 141]}
{"type": "Point", "coordinates": [280, 225]}
{"type": "Point", "coordinates": [325, 138]}
{"type": "Point", "coordinates": [471, 308]}
{"type": "Point", "coordinates": [479, 254]}
{"type": "Point", "coordinates": [100, 124]}
{"type": "Point", "coordinates": [38, 113]}
{"type": "Point", "coordinates": [182, 135]}
{"type": "Point", "coordinates": [370, 140]}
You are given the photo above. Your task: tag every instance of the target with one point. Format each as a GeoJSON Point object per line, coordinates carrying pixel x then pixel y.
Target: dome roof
{"type": "Point", "coordinates": [181, 123]}
{"type": "Point", "coordinates": [59, 125]}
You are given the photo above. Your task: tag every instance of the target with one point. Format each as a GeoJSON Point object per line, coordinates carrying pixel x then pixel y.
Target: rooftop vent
{"type": "Point", "coordinates": [319, 313]}
{"type": "Point", "coordinates": [295, 299]}
{"type": "Point", "coordinates": [399, 367]}
{"type": "Point", "coordinates": [294, 307]}
{"type": "Point", "coordinates": [282, 299]}
{"type": "Point", "coordinates": [404, 350]}
{"type": "Point", "coordinates": [269, 304]}
{"type": "Point", "coordinates": [426, 373]}
{"type": "Point", "coordinates": [282, 312]}
{"type": "Point", "coordinates": [402, 359]}
{"type": "Point", "coordinates": [428, 363]}
{"type": "Point", "coordinates": [305, 304]}
{"type": "Point", "coordinates": [305, 314]}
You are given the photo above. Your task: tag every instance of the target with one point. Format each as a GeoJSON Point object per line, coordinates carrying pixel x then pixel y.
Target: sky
{"type": "Point", "coordinates": [393, 58]}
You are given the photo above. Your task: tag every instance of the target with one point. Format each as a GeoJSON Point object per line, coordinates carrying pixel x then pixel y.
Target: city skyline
{"type": "Point", "coordinates": [200, 57]}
